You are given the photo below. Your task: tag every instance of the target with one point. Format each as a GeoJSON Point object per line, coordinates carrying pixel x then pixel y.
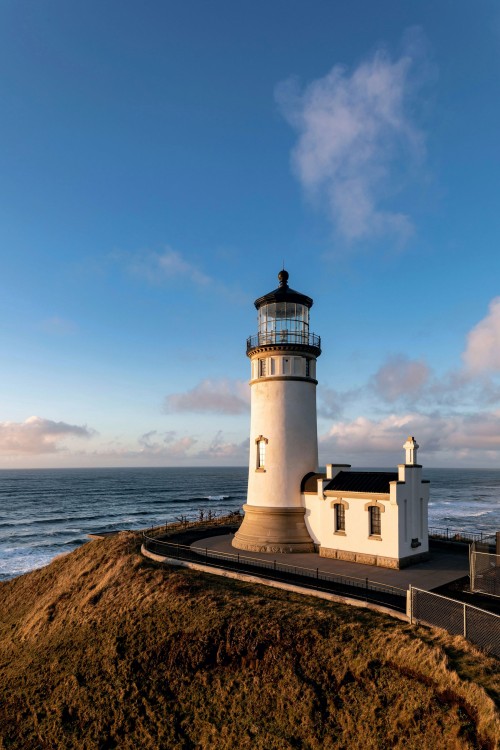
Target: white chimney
{"type": "Point", "coordinates": [411, 446]}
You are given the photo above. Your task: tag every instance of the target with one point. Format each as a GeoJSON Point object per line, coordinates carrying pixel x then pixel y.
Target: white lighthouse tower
{"type": "Point", "coordinates": [283, 430]}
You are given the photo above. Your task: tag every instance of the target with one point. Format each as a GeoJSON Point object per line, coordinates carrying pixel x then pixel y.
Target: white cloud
{"type": "Point", "coordinates": [166, 444]}
{"type": "Point", "coordinates": [454, 437]}
{"type": "Point", "coordinates": [356, 131]}
{"type": "Point", "coordinates": [400, 377]}
{"type": "Point", "coordinates": [170, 265]}
{"type": "Point", "coordinates": [482, 353]}
{"type": "Point", "coordinates": [37, 435]}
{"type": "Point", "coordinates": [211, 396]}
{"type": "Point", "coordinates": [220, 449]}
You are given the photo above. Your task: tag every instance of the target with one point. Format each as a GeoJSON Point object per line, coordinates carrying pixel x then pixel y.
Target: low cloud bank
{"type": "Point", "coordinates": [38, 435]}
{"type": "Point", "coordinates": [211, 396]}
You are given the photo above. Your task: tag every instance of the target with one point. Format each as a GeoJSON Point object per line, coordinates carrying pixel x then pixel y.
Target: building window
{"type": "Point", "coordinates": [262, 368]}
{"type": "Point", "coordinates": [260, 444]}
{"type": "Point", "coordinates": [339, 517]}
{"type": "Point", "coordinates": [308, 368]}
{"type": "Point", "coordinates": [375, 525]}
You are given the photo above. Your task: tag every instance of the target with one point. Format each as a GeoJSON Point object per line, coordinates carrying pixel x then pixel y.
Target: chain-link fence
{"type": "Point", "coordinates": [484, 572]}
{"type": "Point", "coordinates": [478, 626]}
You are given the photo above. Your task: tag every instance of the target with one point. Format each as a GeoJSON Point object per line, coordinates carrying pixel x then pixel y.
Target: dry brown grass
{"type": "Point", "coordinates": [102, 649]}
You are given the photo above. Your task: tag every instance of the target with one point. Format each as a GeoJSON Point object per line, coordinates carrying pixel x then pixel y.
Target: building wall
{"type": "Point", "coordinates": [283, 411]}
{"type": "Point", "coordinates": [411, 495]}
{"type": "Point", "coordinates": [403, 519]}
{"type": "Point", "coordinates": [320, 522]}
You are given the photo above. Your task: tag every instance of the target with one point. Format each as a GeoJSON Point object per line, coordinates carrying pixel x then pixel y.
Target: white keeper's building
{"type": "Point", "coordinates": [376, 518]}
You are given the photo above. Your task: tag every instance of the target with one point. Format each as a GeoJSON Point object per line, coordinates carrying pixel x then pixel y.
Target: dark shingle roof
{"type": "Point", "coordinates": [351, 481]}
{"type": "Point", "coordinates": [362, 481]}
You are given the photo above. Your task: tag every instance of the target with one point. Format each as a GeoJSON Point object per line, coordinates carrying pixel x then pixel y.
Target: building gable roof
{"type": "Point", "coordinates": [362, 481]}
{"type": "Point", "coordinates": [351, 481]}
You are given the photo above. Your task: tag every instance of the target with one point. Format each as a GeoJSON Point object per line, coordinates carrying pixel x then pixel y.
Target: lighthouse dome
{"type": "Point", "coordinates": [283, 293]}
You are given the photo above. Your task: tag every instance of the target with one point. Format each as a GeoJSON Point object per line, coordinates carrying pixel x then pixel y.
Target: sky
{"type": "Point", "coordinates": [160, 162]}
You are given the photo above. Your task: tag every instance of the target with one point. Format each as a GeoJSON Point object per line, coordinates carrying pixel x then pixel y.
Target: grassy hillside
{"type": "Point", "coordinates": [103, 649]}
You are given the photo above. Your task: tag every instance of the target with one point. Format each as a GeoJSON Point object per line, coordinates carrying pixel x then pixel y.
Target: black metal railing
{"type": "Point", "coordinates": [448, 534]}
{"type": "Point", "coordinates": [202, 520]}
{"type": "Point", "coordinates": [284, 337]}
{"type": "Point", "coordinates": [312, 578]}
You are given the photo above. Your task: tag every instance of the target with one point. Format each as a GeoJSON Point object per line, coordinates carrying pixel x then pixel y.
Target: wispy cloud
{"type": "Point", "coordinates": [211, 396]}
{"type": "Point", "coordinates": [399, 377]}
{"type": "Point", "coordinates": [166, 444]}
{"type": "Point", "coordinates": [482, 353]}
{"type": "Point", "coordinates": [356, 131]}
{"type": "Point", "coordinates": [220, 448]}
{"type": "Point", "coordinates": [169, 265]}
{"type": "Point", "coordinates": [332, 402]}
{"type": "Point", "coordinates": [37, 435]}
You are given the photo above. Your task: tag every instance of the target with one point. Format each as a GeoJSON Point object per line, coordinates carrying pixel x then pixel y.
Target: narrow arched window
{"type": "Point", "coordinates": [375, 524]}
{"type": "Point", "coordinates": [339, 517]}
{"type": "Point", "coordinates": [260, 445]}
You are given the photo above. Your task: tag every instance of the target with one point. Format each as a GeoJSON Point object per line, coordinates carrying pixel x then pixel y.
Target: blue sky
{"type": "Point", "coordinates": [159, 162]}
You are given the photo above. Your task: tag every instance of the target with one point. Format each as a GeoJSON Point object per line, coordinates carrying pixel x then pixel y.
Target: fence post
{"type": "Point", "coordinates": [410, 604]}
{"type": "Point", "coordinates": [465, 620]}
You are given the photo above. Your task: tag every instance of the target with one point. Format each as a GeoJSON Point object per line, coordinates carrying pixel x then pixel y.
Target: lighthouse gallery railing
{"type": "Point", "coordinates": [284, 337]}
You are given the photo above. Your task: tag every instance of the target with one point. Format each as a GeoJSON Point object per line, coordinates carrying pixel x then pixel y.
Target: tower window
{"type": "Point", "coordinates": [339, 517]}
{"type": "Point", "coordinates": [260, 444]}
{"type": "Point", "coordinates": [308, 368]}
{"type": "Point", "coordinates": [262, 368]}
{"type": "Point", "coordinates": [375, 523]}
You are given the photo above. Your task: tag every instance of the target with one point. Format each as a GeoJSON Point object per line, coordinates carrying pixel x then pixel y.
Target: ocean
{"type": "Point", "coordinates": [44, 513]}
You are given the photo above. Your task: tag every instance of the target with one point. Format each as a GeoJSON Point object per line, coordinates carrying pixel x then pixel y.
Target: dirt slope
{"type": "Point", "coordinates": [102, 649]}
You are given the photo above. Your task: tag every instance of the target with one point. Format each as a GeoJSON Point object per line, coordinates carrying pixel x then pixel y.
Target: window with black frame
{"type": "Point", "coordinates": [339, 517]}
{"type": "Point", "coordinates": [375, 522]}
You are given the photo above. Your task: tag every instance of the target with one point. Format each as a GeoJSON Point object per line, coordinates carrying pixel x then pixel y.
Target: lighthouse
{"type": "Point", "coordinates": [283, 425]}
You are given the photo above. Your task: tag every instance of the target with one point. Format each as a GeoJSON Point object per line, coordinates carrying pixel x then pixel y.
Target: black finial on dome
{"type": "Point", "coordinates": [283, 277]}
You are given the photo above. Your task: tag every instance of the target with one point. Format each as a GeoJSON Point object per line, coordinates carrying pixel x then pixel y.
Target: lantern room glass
{"type": "Point", "coordinates": [283, 322]}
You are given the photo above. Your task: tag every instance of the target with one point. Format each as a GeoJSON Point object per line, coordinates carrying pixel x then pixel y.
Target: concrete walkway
{"type": "Point", "coordinates": [441, 569]}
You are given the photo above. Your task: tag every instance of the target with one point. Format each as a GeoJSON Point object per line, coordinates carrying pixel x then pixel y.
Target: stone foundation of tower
{"type": "Point", "coordinates": [273, 530]}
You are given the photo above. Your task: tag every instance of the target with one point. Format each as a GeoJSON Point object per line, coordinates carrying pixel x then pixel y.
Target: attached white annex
{"type": "Point", "coordinates": [377, 518]}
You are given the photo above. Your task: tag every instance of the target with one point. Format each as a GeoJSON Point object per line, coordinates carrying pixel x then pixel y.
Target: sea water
{"type": "Point", "coordinates": [46, 512]}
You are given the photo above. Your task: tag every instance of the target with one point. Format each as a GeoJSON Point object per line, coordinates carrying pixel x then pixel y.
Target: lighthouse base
{"type": "Point", "coordinates": [273, 530]}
